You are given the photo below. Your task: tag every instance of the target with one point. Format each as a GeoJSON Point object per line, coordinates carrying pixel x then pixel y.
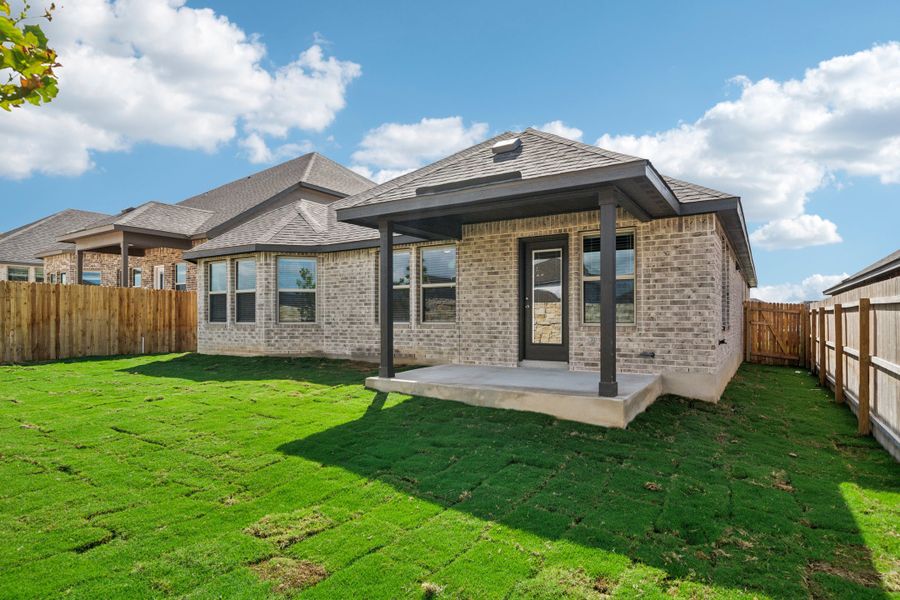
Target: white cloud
{"type": "Point", "coordinates": [259, 152]}
{"type": "Point", "coordinates": [810, 288]}
{"type": "Point", "coordinates": [396, 148]}
{"type": "Point", "coordinates": [780, 141]}
{"type": "Point", "coordinates": [799, 232]}
{"type": "Point", "coordinates": [159, 72]}
{"type": "Point", "coordinates": [561, 129]}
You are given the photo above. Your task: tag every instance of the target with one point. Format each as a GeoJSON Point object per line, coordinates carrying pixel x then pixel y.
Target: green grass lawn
{"type": "Point", "coordinates": [202, 477]}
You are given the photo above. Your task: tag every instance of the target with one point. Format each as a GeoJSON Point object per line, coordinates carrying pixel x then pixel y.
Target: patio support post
{"type": "Point", "coordinates": [126, 282]}
{"type": "Point", "coordinates": [608, 385]}
{"type": "Point", "coordinates": [385, 295]}
{"type": "Point", "coordinates": [79, 265]}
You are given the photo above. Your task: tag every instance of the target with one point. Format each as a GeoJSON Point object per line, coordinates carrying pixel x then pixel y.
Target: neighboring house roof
{"type": "Point", "coordinates": [212, 212]}
{"type": "Point", "coordinates": [310, 170]}
{"type": "Point", "coordinates": [300, 226]}
{"type": "Point", "coordinates": [541, 154]}
{"type": "Point", "coordinates": [156, 216]}
{"type": "Point", "coordinates": [23, 244]}
{"type": "Point", "coordinates": [887, 267]}
{"type": "Point", "coordinates": [691, 192]}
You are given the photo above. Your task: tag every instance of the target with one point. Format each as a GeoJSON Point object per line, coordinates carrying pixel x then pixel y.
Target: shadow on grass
{"type": "Point", "coordinates": [746, 494]}
{"type": "Point", "coordinates": [206, 367]}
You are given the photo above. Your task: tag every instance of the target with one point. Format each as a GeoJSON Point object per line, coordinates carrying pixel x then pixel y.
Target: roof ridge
{"type": "Point", "coordinates": [420, 172]}
{"type": "Point", "coordinates": [309, 165]}
{"type": "Point", "coordinates": [305, 212]}
{"type": "Point", "coordinates": [344, 168]}
{"type": "Point", "coordinates": [258, 175]}
{"type": "Point", "coordinates": [283, 222]}
{"type": "Point", "coordinates": [582, 146]}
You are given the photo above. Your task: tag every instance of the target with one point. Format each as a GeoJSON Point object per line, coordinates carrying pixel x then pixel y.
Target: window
{"type": "Point", "coordinates": [52, 277]}
{"type": "Point", "coordinates": [135, 278]}
{"type": "Point", "coordinates": [726, 288]}
{"type": "Point", "coordinates": [181, 277]}
{"type": "Point", "coordinates": [624, 278]}
{"type": "Point", "coordinates": [90, 278]}
{"type": "Point", "coordinates": [39, 274]}
{"type": "Point", "coordinates": [17, 274]}
{"type": "Point", "coordinates": [439, 284]}
{"type": "Point", "coordinates": [63, 278]}
{"type": "Point", "coordinates": [400, 294]}
{"type": "Point", "coordinates": [296, 290]}
{"type": "Point", "coordinates": [245, 292]}
{"type": "Point", "coordinates": [217, 285]}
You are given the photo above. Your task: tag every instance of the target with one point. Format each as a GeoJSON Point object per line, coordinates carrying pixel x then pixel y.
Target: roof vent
{"type": "Point", "coordinates": [126, 210]}
{"type": "Point", "coordinates": [504, 146]}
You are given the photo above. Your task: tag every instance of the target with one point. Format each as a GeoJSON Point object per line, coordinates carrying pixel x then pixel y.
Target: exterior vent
{"type": "Point", "coordinates": [504, 146]}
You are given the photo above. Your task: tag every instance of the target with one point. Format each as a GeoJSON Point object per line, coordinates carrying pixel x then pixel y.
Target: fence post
{"type": "Point", "coordinates": [804, 324]}
{"type": "Point", "coordinates": [812, 340]}
{"type": "Point", "coordinates": [838, 353]}
{"type": "Point", "coordinates": [823, 368]}
{"type": "Point", "coordinates": [865, 360]}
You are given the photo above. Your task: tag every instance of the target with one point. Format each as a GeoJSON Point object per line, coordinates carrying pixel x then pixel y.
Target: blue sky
{"type": "Point", "coordinates": [631, 72]}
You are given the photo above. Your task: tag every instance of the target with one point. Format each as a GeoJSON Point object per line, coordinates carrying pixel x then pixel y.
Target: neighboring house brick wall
{"type": "Point", "coordinates": [4, 270]}
{"type": "Point", "coordinates": [109, 266]}
{"type": "Point", "coordinates": [677, 296]}
{"type": "Point", "coordinates": [167, 258]}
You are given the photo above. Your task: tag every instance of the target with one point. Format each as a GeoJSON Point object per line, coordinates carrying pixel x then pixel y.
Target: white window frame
{"type": "Point", "coordinates": [210, 292]}
{"type": "Point", "coordinates": [586, 278]}
{"type": "Point", "coordinates": [63, 278]}
{"type": "Point", "coordinates": [43, 275]}
{"type": "Point", "coordinates": [314, 291]}
{"type": "Point", "coordinates": [140, 273]}
{"type": "Point", "coordinates": [53, 278]}
{"type": "Point", "coordinates": [238, 291]}
{"type": "Point", "coordinates": [184, 283]}
{"type": "Point", "coordinates": [18, 269]}
{"type": "Point", "coordinates": [99, 277]}
{"type": "Point", "coordinates": [423, 285]}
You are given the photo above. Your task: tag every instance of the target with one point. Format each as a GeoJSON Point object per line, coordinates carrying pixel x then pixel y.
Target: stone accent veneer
{"type": "Point", "coordinates": [678, 301]}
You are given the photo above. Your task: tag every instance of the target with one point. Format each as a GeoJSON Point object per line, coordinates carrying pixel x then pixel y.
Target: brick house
{"type": "Point", "coordinates": [22, 249]}
{"type": "Point", "coordinates": [143, 246]}
{"type": "Point", "coordinates": [527, 249]}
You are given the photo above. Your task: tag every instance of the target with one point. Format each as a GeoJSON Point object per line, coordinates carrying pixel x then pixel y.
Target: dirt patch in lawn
{"type": "Point", "coordinates": [284, 529]}
{"type": "Point", "coordinates": [289, 575]}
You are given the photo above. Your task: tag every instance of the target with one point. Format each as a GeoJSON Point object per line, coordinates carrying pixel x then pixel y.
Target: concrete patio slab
{"type": "Point", "coordinates": [570, 395]}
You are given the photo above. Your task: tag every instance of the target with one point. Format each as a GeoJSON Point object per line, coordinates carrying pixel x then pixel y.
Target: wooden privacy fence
{"type": "Point", "coordinates": [857, 352]}
{"type": "Point", "coordinates": [40, 321]}
{"type": "Point", "coordinates": [774, 333]}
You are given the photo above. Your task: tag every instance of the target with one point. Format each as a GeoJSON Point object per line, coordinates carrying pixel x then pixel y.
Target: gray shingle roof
{"type": "Point", "coordinates": [232, 199]}
{"type": "Point", "coordinates": [880, 269]}
{"type": "Point", "coordinates": [23, 244]}
{"type": "Point", "coordinates": [301, 223]}
{"type": "Point", "coordinates": [540, 154]}
{"type": "Point", "coordinates": [157, 216]}
{"type": "Point", "coordinates": [691, 192]}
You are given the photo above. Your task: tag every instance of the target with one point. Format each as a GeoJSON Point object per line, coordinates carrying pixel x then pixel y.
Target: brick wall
{"type": "Point", "coordinates": [167, 258]}
{"type": "Point", "coordinates": [109, 266]}
{"type": "Point", "coordinates": [677, 301]}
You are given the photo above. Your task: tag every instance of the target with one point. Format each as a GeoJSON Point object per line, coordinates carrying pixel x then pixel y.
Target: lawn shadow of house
{"type": "Point", "coordinates": [214, 368]}
{"type": "Point", "coordinates": [704, 492]}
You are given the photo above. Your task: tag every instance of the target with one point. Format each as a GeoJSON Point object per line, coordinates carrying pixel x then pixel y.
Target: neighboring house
{"type": "Point", "coordinates": [145, 244]}
{"type": "Point", "coordinates": [496, 260]}
{"type": "Point", "coordinates": [20, 248]}
{"type": "Point", "coordinates": [881, 278]}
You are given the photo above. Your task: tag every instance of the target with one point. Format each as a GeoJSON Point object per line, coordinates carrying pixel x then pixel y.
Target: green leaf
{"type": "Point", "coordinates": [9, 30]}
{"type": "Point", "coordinates": [38, 33]}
